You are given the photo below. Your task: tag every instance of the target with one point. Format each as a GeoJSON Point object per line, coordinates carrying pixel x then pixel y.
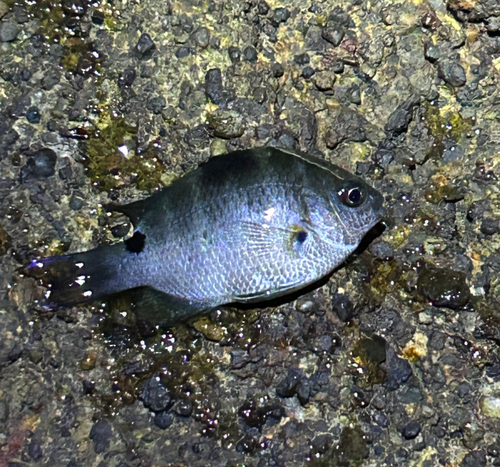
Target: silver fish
{"type": "Point", "coordinates": [244, 227]}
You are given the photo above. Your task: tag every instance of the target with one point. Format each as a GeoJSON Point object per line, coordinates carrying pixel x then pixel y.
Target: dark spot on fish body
{"type": "Point", "coordinates": [136, 243]}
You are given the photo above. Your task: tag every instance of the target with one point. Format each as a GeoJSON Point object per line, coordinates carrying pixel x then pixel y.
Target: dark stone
{"type": "Point", "coordinates": [33, 115]}
{"type": "Point", "coordinates": [182, 52]}
{"type": "Point", "coordinates": [333, 35]}
{"type": "Point", "coordinates": [145, 45]}
{"type": "Point", "coordinates": [75, 7]}
{"type": "Point", "coordinates": [100, 433]}
{"type": "Point", "coordinates": [277, 70]}
{"type": "Point", "coordinates": [50, 79]}
{"type": "Point", "coordinates": [41, 165]}
{"type": "Point", "coordinates": [4, 411]}
{"type": "Point", "coordinates": [35, 450]}
{"type": "Point", "coordinates": [234, 54]}
{"type": "Point", "coordinates": [163, 420]}
{"type": "Point", "coordinates": [127, 77]}
{"type": "Point", "coordinates": [308, 72]}
{"type": "Point", "coordinates": [256, 412]}
{"type": "Point", "coordinates": [76, 201]}
{"type": "Point", "coordinates": [474, 459]}
{"type": "Point", "coordinates": [25, 74]}
{"type": "Point", "coordinates": [250, 54]}
{"type": "Point", "coordinates": [398, 370]}
{"type": "Point", "coordinates": [411, 431]}
{"type": "Point", "coordinates": [262, 8]}
{"type": "Point", "coordinates": [156, 104]}
{"type": "Point", "coordinates": [98, 17]}
{"type": "Point", "coordinates": [341, 304]}
{"type": "Point", "coordinates": [431, 52]}
{"type": "Point", "coordinates": [338, 66]}
{"type": "Point", "coordinates": [281, 15]}
{"type": "Point", "coordinates": [382, 250]}
{"type": "Point", "coordinates": [381, 420]}
{"type": "Point", "coordinates": [444, 287]}
{"type": "Point", "coordinates": [121, 229]}
{"type": "Point", "coordinates": [489, 226]}
{"type": "Point", "coordinates": [184, 408]}
{"type": "Point", "coordinates": [259, 94]}
{"type": "Point", "coordinates": [452, 73]}
{"type": "Point", "coordinates": [295, 383]}
{"type": "Point", "coordinates": [214, 89]}
{"type": "Point", "coordinates": [155, 396]}
{"type": "Point", "coordinates": [354, 95]}
{"type": "Point", "coordinates": [348, 125]}
{"type": "Point", "coordinates": [400, 119]}
{"type": "Point", "coordinates": [8, 31]}
{"type": "Point", "coordinates": [301, 59]}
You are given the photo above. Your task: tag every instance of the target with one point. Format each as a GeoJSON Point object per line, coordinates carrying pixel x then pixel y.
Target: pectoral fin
{"type": "Point", "coordinates": [263, 238]}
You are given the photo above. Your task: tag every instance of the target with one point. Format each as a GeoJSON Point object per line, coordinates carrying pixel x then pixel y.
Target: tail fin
{"type": "Point", "coordinates": [81, 277]}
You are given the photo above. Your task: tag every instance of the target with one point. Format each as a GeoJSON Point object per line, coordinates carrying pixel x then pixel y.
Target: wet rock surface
{"type": "Point", "coordinates": [394, 360]}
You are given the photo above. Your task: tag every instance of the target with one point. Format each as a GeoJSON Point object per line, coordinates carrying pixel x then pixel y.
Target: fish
{"type": "Point", "coordinates": [244, 227]}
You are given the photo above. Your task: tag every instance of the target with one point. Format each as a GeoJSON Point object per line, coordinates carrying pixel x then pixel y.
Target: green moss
{"type": "Point", "coordinates": [107, 165]}
{"type": "Point", "coordinates": [441, 125]}
{"type": "Point", "coordinates": [351, 450]}
{"type": "Point", "coordinates": [369, 352]}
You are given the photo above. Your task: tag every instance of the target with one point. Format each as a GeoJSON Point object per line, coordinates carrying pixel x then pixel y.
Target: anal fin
{"type": "Point", "coordinates": [163, 309]}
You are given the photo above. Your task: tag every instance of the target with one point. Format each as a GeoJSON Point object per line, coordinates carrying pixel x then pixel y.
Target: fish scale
{"type": "Point", "coordinates": [245, 226]}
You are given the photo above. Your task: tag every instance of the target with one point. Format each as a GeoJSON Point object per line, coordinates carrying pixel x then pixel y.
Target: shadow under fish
{"type": "Point", "coordinates": [245, 227]}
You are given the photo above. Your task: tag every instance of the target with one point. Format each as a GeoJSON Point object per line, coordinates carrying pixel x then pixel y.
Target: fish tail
{"type": "Point", "coordinates": [80, 277]}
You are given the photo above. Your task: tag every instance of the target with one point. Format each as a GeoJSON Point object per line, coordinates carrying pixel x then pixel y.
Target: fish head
{"type": "Point", "coordinates": [349, 208]}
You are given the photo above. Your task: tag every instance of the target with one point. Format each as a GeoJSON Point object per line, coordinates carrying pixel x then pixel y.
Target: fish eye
{"type": "Point", "coordinates": [352, 197]}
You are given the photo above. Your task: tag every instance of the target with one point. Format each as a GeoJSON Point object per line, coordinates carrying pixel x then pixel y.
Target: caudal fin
{"type": "Point", "coordinates": [81, 277]}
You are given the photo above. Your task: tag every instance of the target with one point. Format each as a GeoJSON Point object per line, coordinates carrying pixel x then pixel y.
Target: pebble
{"type": "Point", "coordinates": [202, 37]}
{"type": "Point", "coordinates": [35, 450]}
{"type": "Point", "coordinates": [145, 44]}
{"type": "Point", "coordinates": [489, 226]}
{"type": "Point", "coordinates": [156, 104]}
{"type": "Point", "coordinates": [41, 165]}
{"type": "Point", "coordinates": [295, 383]}
{"type": "Point", "coordinates": [234, 54]}
{"type": "Point", "coordinates": [333, 35]}
{"type": "Point", "coordinates": [411, 431]}
{"type": "Point", "coordinates": [262, 8]}
{"type": "Point", "coordinates": [33, 115]}
{"type": "Point", "coordinates": [308, 72]}
{"type": "Point", "coordinates": [324, 80]}
{"type": "Point", "coordinates": [155, 395]}
{"type": "Point", "coordinates": [127, 77]}
{"type": "Point", "coordinates": [277, 70]}
{"type": "Point", "coordinates": [183, 52]}
{"type": "Point", "coordinates": [100, 434]}
{"type": "Point", "coordinates": [474, 459]}
{"type": "Point", "coordinates": [444, 287]}
{"type": "Point", "coordinates": [281, 15]}
{"type": "Point", "coordinates": [452, 73]}
{"type": "Point", "coordinates": [163, 420]}
{"type": "Point", "coordinates": [250, 54]}
{"type": "Point", "coordinates": [8, 31]}
{"type": "Point", "coordinates": [301, 59]}
{"type": "Point", "coordinates": [226, 124]}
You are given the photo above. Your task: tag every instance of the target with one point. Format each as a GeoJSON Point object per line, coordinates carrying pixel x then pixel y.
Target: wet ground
{"type": "Point", "coordinates": [393, 361]}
